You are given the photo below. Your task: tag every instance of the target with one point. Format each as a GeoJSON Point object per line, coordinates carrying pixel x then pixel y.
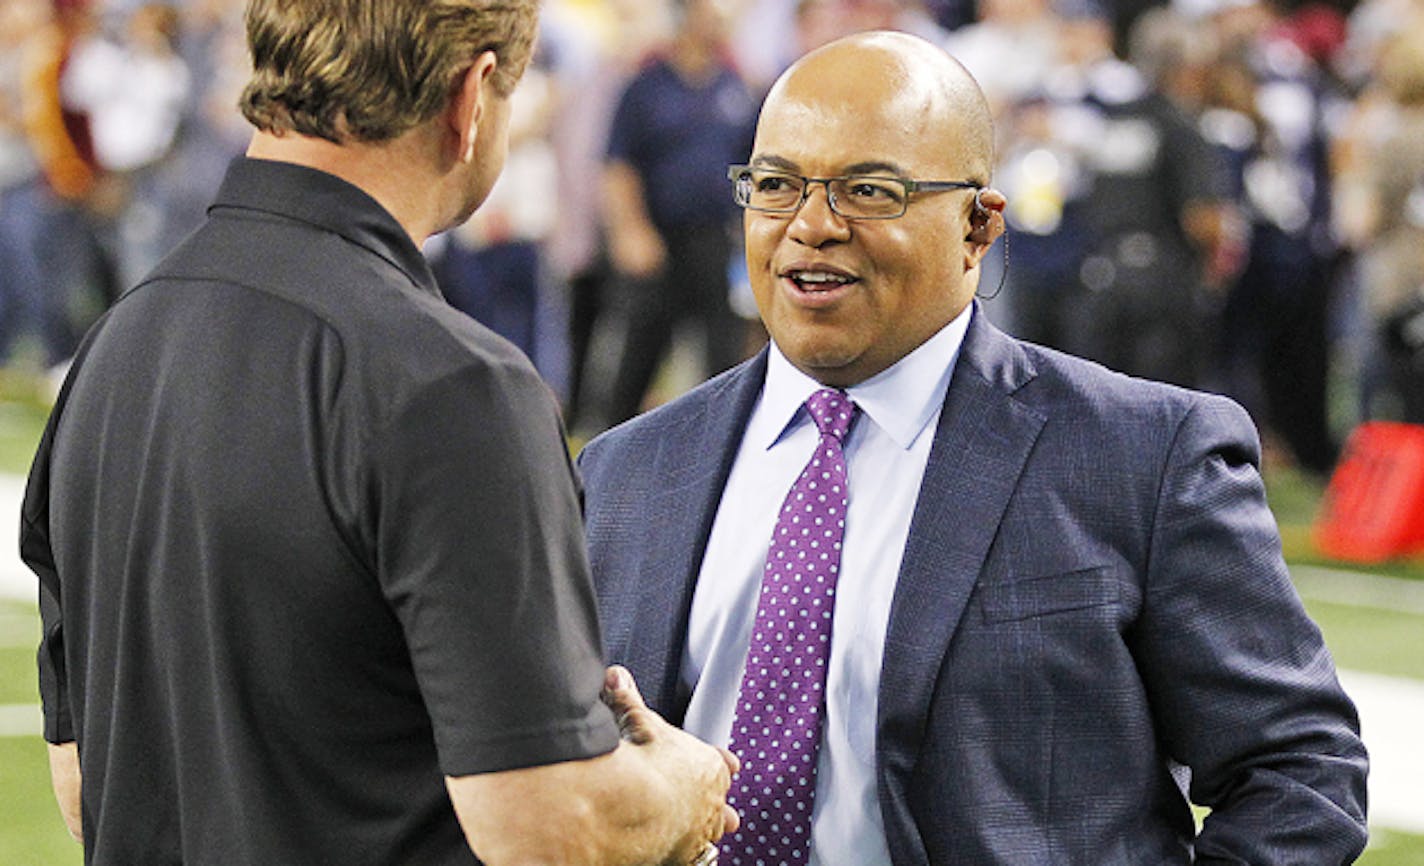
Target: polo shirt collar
{"type": "Point", "coordinates": [900, 400]}
{"type": "Point", "coordinates": [328, 203]}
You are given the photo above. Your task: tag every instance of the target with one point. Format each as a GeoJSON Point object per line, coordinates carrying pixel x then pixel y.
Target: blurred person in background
{"type": "Point", "coordinates": [1040, 166]}
{"type": "Point", "coordinates": [1156, 192]}
{"type": "Point", "coordinates": [22, 301]}
{"type": "Point", "coordinates": [21, 22]}
{"type": "Point", "coordinates": [72, 206]}
{"type": "Point", "coordinates": [312, 580]}
{"type": "Point", "coordinates": [1176, 53]}
{"type": "Point", "coordinates": [594, 48]}
{"type": "Point", "coordinates": [1043, 174]}
{"type": "Point", "coordinates": [1116, 203]}
{"type": "Point", "coordinates": [1025, 30]}
{"type": "Point", "coordinates": [133, 87]}
{"type": "Point", "coordinates": [1382, 179]}
{"type": "Point", "coordinates": [1265, 114]}
{"type": "Point", "coordinates": [682, 119]}
{"type": "Point", "coordinates": [210, 42]}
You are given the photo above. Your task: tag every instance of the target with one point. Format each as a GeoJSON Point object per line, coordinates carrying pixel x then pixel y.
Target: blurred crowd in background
{"type": "Point", "coordinates": [1226, 194]}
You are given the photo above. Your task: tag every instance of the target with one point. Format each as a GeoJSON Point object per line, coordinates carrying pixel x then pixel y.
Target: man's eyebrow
{"type": "Point", "coordinates": [877, 167]}
{"type": "Point", "coordinates": [880, 167]}
{"type": "Point", "coordinates": [771, 160]}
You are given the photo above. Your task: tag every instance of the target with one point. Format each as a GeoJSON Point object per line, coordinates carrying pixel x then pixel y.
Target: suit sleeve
{"type": "Point", "coordinates": [1242, 686]}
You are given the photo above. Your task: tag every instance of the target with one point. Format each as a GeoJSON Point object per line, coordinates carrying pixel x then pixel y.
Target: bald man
{"type": "Point", "coordinates": [1016, 608]}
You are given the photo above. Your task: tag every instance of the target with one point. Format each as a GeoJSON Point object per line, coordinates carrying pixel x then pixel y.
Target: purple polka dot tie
{"type": "Point", "coordinates": [776, 729]}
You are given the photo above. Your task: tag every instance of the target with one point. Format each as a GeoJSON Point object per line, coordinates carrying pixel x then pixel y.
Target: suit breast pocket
{"type": "Point", "coordinates": [1030, 598]}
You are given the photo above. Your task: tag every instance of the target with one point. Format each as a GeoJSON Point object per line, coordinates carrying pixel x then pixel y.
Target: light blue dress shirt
{"type": "Point", "coordinates": [886, 453]}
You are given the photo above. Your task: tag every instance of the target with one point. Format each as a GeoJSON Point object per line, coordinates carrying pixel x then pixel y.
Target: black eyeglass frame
{"type": "Point", "coordinates": [738, 174]}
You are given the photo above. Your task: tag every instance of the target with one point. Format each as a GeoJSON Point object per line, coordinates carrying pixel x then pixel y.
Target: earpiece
{"type": "Point", "coordinates": [986, 225]}
{"type": "Point", "coordinates": [980, 220]}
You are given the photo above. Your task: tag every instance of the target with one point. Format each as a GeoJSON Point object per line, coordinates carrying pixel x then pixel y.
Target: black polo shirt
{"type": "Point", "coordinates": [308, 540]}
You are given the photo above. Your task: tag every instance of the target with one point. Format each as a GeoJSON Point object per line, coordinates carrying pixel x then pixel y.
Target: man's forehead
{"type": "Point", "coordinates": [852, 87]}
{"type": "Point", "coordinates": [839, 136]}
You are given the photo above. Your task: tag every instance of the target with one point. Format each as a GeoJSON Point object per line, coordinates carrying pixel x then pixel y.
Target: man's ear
{"type": "Point", "coordinates": [468, 101]}
{"type": "Point", "coordinates": [986, 223]}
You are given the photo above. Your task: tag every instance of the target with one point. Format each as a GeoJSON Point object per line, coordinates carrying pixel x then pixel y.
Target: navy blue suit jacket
{"type": "Point", "coordinates": [1092, 614]}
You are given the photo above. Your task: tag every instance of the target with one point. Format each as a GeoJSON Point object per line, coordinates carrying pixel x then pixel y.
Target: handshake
{"type": "Point", "coordinates": [658, 799]}
{"type": "Point", "coordinates": [697, 774]}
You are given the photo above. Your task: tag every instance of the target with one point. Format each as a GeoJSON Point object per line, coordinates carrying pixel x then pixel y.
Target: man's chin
{"type": "Point", "coordinates": [836, 366]}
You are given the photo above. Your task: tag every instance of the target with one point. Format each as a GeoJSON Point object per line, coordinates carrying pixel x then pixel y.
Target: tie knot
{"type": "Point", "coordinates": [832, 410]}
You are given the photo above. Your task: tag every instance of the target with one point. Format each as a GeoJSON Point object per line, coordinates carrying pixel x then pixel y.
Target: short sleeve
{"type": "Point", "coordinates": [37, 553]}
{"type": "Point", "coordinates": [481, 556]}
{"type": "Point", "coordinates": [627, 121]}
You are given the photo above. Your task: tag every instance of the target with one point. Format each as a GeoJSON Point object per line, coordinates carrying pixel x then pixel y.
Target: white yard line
{"type": "Point", "coordinates": [16, 581]}
{"type": "Point", "coordinates": [21, 720]}
{"type": "Point", "coordinates": [1391, 712]}
{"type": "Point", "coordinates": [1357, 589]}
{"type": "Point", "coordinates": [19, 631]}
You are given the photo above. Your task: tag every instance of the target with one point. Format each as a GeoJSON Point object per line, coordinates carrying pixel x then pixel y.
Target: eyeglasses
{"type": "Point", "coordinates": [859, 197]}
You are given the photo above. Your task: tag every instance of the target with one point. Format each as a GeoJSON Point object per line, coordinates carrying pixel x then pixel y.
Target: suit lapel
{"type": "Point", "coordinates": [982, 443]}
{"type": "Point", "coordinates": [693, 463]}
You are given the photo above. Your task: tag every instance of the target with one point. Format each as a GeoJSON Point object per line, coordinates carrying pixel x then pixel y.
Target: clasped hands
{"type": "Point", "coordinates": [708, 770]}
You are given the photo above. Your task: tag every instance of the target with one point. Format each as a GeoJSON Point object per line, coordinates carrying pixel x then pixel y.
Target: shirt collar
{"type": "Point", "coordinates": [900, 400]}
{"type": "Point", "coordinates": [329, 203]}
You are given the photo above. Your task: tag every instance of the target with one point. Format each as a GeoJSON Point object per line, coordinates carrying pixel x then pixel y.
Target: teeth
{"type": "Point", "coordinates": [819, 277]}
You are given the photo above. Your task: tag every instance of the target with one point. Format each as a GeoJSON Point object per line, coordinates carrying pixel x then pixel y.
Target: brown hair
{"type": "Point", "coordinates": [371, 70]}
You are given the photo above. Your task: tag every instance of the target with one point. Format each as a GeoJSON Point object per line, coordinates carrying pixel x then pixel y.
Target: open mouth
{"type": "Point", "coordinates": [818, 280]}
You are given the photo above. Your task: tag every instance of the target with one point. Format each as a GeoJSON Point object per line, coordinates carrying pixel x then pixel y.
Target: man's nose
{"type": "Point", "coordinates": [815, 223]}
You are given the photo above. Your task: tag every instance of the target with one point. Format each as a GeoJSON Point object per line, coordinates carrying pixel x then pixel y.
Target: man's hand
{"type": "Point", "coordinates": [711, 768]}
{"type": "Point", "coordinates": [64, 775]}
{"type": "Point", "coordinates": [659, 797]}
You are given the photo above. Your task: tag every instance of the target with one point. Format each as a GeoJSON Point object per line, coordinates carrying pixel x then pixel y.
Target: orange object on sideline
{"type": "Point", "coordinates": [1374, 505]}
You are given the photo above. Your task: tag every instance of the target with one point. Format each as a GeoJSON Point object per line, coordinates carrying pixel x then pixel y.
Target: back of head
{"type": "Point", "coordinates": [903, 79]}
{"type": "Point", "coordinates": [370, 70]}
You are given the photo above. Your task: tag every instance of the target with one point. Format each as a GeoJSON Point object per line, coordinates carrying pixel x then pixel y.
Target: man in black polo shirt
{"type": "Point", "coordinates": [312, 576]}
